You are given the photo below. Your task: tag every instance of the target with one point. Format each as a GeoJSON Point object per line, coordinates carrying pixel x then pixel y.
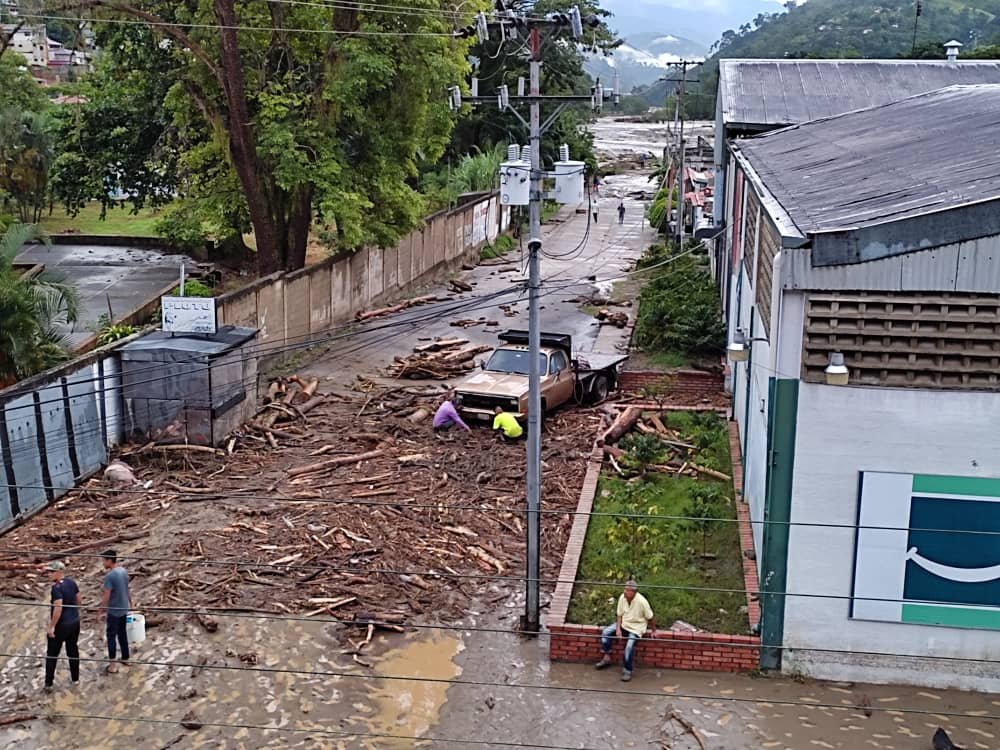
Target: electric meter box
{"type": "Point", "coordinates": [515, 183]}
{"type": "Point", "coordinates": [569, 182]}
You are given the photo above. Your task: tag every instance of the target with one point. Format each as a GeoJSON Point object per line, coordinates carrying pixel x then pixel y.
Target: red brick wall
{"type": "Point", "coordinates": [704, 652]}
{"type": "Point", "coordinates": [689, 386]}
{"type": "Point", "coordinates": [707, 652]}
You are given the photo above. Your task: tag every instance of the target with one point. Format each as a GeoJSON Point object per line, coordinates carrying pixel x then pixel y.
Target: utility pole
{"type": "Point", "coordinates": [680, 157]}
{"type": "Point", "coordinates": [532, 605]}
{"type": "Point", "coordinates": [532, 26]}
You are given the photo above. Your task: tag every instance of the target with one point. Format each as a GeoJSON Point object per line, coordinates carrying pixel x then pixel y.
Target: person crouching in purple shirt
{"type": "Point", "coordinates": [446, 416]}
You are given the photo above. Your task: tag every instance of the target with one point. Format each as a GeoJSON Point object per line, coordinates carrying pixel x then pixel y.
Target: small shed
{"type": "Point", "coordinates": [194, 388]}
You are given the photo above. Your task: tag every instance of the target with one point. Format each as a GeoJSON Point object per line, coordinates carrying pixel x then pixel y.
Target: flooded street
{"type": "Point", "coordinates": [285, 680]}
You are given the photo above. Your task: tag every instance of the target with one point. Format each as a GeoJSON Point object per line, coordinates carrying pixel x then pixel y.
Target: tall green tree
{"type": "Point", "coordinates": [314, 110]}
{"type": "Point", "coordinates": [25, 159]}
{"type": "Point", "coordinates": [31, 312]}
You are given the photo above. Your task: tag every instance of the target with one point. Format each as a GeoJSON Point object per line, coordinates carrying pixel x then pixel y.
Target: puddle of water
{"type": "Point", "coordinates": [412, 708]}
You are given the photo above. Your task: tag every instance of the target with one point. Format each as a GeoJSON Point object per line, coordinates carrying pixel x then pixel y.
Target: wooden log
{"type": "Point", "coordinates": [463, 355]}
{"type": "Point", "coordinates": [461, 286]}
{"type": "Point", "coordinates": [106, 542]}
{"type": "Point", "coordinates": [658, 424]}
{"type": "Point", "coordinates": [436, 346]}
{"type": "Point", "coordinates": [16, 719]}
{"type": "Point", "coordinates": [418, 416]}
{"type": "Point", "coordinates": [275, 389]}
{"type": "Point", "coordinates": [311, 404]}
{"type": "Point", "coordinates": [181, 447]}
{"type": "Point", "coordinates": [711, 472]}
{"type": "Point", "coordinates": [622, 424]}
{"type": "Point", "coordinates": [334, 462]}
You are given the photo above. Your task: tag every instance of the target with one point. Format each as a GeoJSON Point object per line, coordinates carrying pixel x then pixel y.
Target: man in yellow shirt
{"type": "Point", "coordinates": [634, 619]}
{"type": "Point", "coordinates": [508, 423]}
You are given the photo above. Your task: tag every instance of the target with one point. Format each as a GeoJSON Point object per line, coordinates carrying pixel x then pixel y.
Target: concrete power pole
{"type": "Point", "coordinates": [532, 606]}
{"type": "Point", "coordinates": [680, 157]}
{"type": "Point", "coordinates": [531, 621]}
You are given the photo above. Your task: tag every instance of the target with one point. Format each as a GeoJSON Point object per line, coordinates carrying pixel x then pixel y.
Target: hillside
{"type": "Point", "coordinates": [862, 28]}
{"type": "Point", "coordinates": [879, 29]}
{"type": "Point", "coordinates": [643, 58]}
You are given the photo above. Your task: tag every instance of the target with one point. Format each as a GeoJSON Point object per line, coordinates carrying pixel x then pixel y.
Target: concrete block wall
{"type": "Point", "coordinates": [295, 308]}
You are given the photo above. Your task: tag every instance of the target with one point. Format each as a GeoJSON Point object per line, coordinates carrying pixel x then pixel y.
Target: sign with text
{"type": "Point", "coordinates": [927, 550]}
{"type": "Point", "coordinates": [189, 314]}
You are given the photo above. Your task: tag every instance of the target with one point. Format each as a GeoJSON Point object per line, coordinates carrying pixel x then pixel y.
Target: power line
{"type": "Point", "coordinates": [521, 686]}
{"type": "Point", "coordinates": [361, 571]}
{"type": "Point", "coordinates": [303, 730]}
{"type": "Point", "coordinates": [324, 620]}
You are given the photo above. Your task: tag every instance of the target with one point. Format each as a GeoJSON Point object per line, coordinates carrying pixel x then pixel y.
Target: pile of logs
{"type": "Point", "coordinates": [680, 454]}
{"type": "Point", "coordinates": [437, 360]}
{"type": "Point", "coordinates": [287, 400]}
{"type": "Point", "coordinates": [617, 319]}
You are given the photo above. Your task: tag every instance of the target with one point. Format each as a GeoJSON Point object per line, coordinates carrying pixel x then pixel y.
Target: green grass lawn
{"type": "Point", "coordinates": [117, 221]}
{"type": "Point", "coordinates": [667, 552]}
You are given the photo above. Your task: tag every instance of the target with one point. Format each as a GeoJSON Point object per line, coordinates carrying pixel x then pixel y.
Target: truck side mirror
{"type": "Point", "coordinates": [482, 364]}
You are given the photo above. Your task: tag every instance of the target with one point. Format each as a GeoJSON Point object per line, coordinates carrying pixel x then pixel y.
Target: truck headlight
{"type": "Point", "coordinates": [515, 404]}
{"type": "Point", "coordinates": [458, 399]}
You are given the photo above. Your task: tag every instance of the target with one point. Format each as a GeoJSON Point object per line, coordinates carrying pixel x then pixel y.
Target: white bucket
{"type": "Point", "coordinates": [135, 627]}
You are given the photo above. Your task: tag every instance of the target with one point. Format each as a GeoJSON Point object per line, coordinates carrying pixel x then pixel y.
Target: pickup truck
{"type": "Point", "coordinates": [502, 379]}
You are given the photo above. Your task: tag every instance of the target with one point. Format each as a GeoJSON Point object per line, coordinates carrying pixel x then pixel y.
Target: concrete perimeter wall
{"type": "Point", "coordinates": [293, 310]}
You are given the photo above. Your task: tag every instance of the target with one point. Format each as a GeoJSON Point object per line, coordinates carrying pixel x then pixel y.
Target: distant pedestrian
{"type": "Point", "coordinates": [621, 212]}
{"type": "Point", "coordinates": [64, 624]}
{"type": "Point", "coordinates": [116, 600]}
{"type": "Point", "coordinates": [597, 185]}
{"type": "Point", "coordinates": [634, 618]}
{"type": "Point", "coordinates": [594, 208]}
{"type": "Point", "coordinates": [642, 160]}
{"type": "Point", "coordinates": [446, 415]}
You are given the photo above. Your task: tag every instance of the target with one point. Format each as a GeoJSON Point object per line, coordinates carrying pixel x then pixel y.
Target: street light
{"type": "Point", "coordinates": [837, 372]}
{"type": "Point", "coordinates": [739, 349]}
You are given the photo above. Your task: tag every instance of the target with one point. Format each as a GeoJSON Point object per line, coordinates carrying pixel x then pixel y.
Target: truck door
{"type": "Point", "coordinates": [562, 379]}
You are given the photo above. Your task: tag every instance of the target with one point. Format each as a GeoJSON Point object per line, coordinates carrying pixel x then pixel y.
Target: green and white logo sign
{"type": "Point", "coordinates": [918, 558]}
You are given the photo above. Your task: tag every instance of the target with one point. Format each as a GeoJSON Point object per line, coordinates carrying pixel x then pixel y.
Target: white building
{"type": "Point", "coordinates": [874, 235]}
{"type": "Point", "coordinates": [32, 43]}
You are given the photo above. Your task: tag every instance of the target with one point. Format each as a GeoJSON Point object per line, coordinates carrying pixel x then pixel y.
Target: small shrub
{"type": "Point", "coordinates": [114, 332]}
{"type": "Point", "coordinates": [181, 229]}
{"type": "Point", "coordinates": [501, 246]}
{"type": "Point", "coordinates": [194, 288]}
{"type": "Point", "coordinates": [642, 451]}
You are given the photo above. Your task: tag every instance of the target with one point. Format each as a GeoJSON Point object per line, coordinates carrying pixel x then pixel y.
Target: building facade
{"type": "Point", "coordinates": [874, 236]}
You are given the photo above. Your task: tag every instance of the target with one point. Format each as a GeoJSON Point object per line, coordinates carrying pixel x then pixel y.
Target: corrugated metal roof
{"type": "Point", "coordinates": [923, 155]}
{"type": "Point", "coordinates": [769, 93]}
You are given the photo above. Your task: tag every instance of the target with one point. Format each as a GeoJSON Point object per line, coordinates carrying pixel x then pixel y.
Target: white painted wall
{"type": "Point", "coordinates": [844, 430]}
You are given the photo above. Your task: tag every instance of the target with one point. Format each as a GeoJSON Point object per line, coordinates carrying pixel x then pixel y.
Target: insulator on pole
{"type": "Point", "coordinates": [564, 152]}
{"type": "Point", "coordinates": [475, 87]}
{"type": "Point", "coordinates": [513, 152]}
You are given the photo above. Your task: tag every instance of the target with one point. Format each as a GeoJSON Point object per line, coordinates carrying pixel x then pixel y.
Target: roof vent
{"type": "Point", "coordinates": [952, 48]}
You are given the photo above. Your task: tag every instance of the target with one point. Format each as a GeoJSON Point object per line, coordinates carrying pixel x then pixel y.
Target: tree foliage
{"type": "Point", "coordinates": [282, 115]}
{"type": "Point", "coordinates": [25, 159]}
{"type": "Point", "coordinates": [31, 310]}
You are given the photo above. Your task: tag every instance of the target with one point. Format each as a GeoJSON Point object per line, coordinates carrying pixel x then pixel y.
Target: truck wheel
{"type": "Point", "coordinates": [599, 389]}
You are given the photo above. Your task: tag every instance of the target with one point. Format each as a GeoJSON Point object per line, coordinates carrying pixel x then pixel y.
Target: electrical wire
{"type": "Point", "coordinates": [482, 508]}
{"type": "Point", "coordinates": [358, 570]}
{"type": "Point", "coordinates": [221, 27]}
{"type": "Point", "coordinates": [269, 616]}
{"type": "Point", "coordinates": [518, 686]}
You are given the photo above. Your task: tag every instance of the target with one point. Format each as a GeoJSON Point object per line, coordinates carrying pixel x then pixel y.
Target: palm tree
{"type": "Point", "coordinates": [32, 310]}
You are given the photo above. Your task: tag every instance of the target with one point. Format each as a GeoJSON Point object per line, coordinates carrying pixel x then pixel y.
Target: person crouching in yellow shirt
{"type": "Point", "coordinates": [508, 425]}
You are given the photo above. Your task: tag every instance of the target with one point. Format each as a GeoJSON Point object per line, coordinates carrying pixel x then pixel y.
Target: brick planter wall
{"type": "Point", "coordinates": [709, 652]}
{"type": "Point", "coordinates": [688, 386]}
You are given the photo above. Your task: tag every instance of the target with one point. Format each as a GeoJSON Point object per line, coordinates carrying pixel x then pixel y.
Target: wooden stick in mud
{"type": "Point", "coordinates": [622, 424]}
{"type": "Point", "coordinates": [334, 462]}
{"type": "Point", "coordinates": [711, 472]}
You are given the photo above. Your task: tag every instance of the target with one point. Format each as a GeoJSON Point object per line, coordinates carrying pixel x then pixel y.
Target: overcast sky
{"type": "Point", "coordinates": [703, 20]}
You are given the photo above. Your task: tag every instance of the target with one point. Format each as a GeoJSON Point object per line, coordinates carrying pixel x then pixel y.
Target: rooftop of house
{"type": "Point", "coordinates": [762, 94]}
{"type": "Point", "coordinates": [904, 163]}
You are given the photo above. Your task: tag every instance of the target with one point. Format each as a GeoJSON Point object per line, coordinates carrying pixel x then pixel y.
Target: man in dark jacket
{"type": "Point", "coordinates": [64, 623]}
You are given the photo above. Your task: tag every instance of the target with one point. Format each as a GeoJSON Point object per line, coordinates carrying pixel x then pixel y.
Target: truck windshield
{"type": "Point", "coordinates": [514, 361]}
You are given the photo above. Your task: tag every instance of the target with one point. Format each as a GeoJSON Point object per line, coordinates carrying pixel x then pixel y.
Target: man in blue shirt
{"type": "Point", "coordinates": [64, 624]}
{"type": "Point", "coordinates": [116, 600]}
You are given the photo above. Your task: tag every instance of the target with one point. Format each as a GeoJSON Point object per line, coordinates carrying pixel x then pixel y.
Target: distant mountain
{"type": "Point", "coordinates": [702, 21]}
{"type": "Point", "coordinates": [643, 58]}
{"type": "Point", "coordinates": [863, 28]}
